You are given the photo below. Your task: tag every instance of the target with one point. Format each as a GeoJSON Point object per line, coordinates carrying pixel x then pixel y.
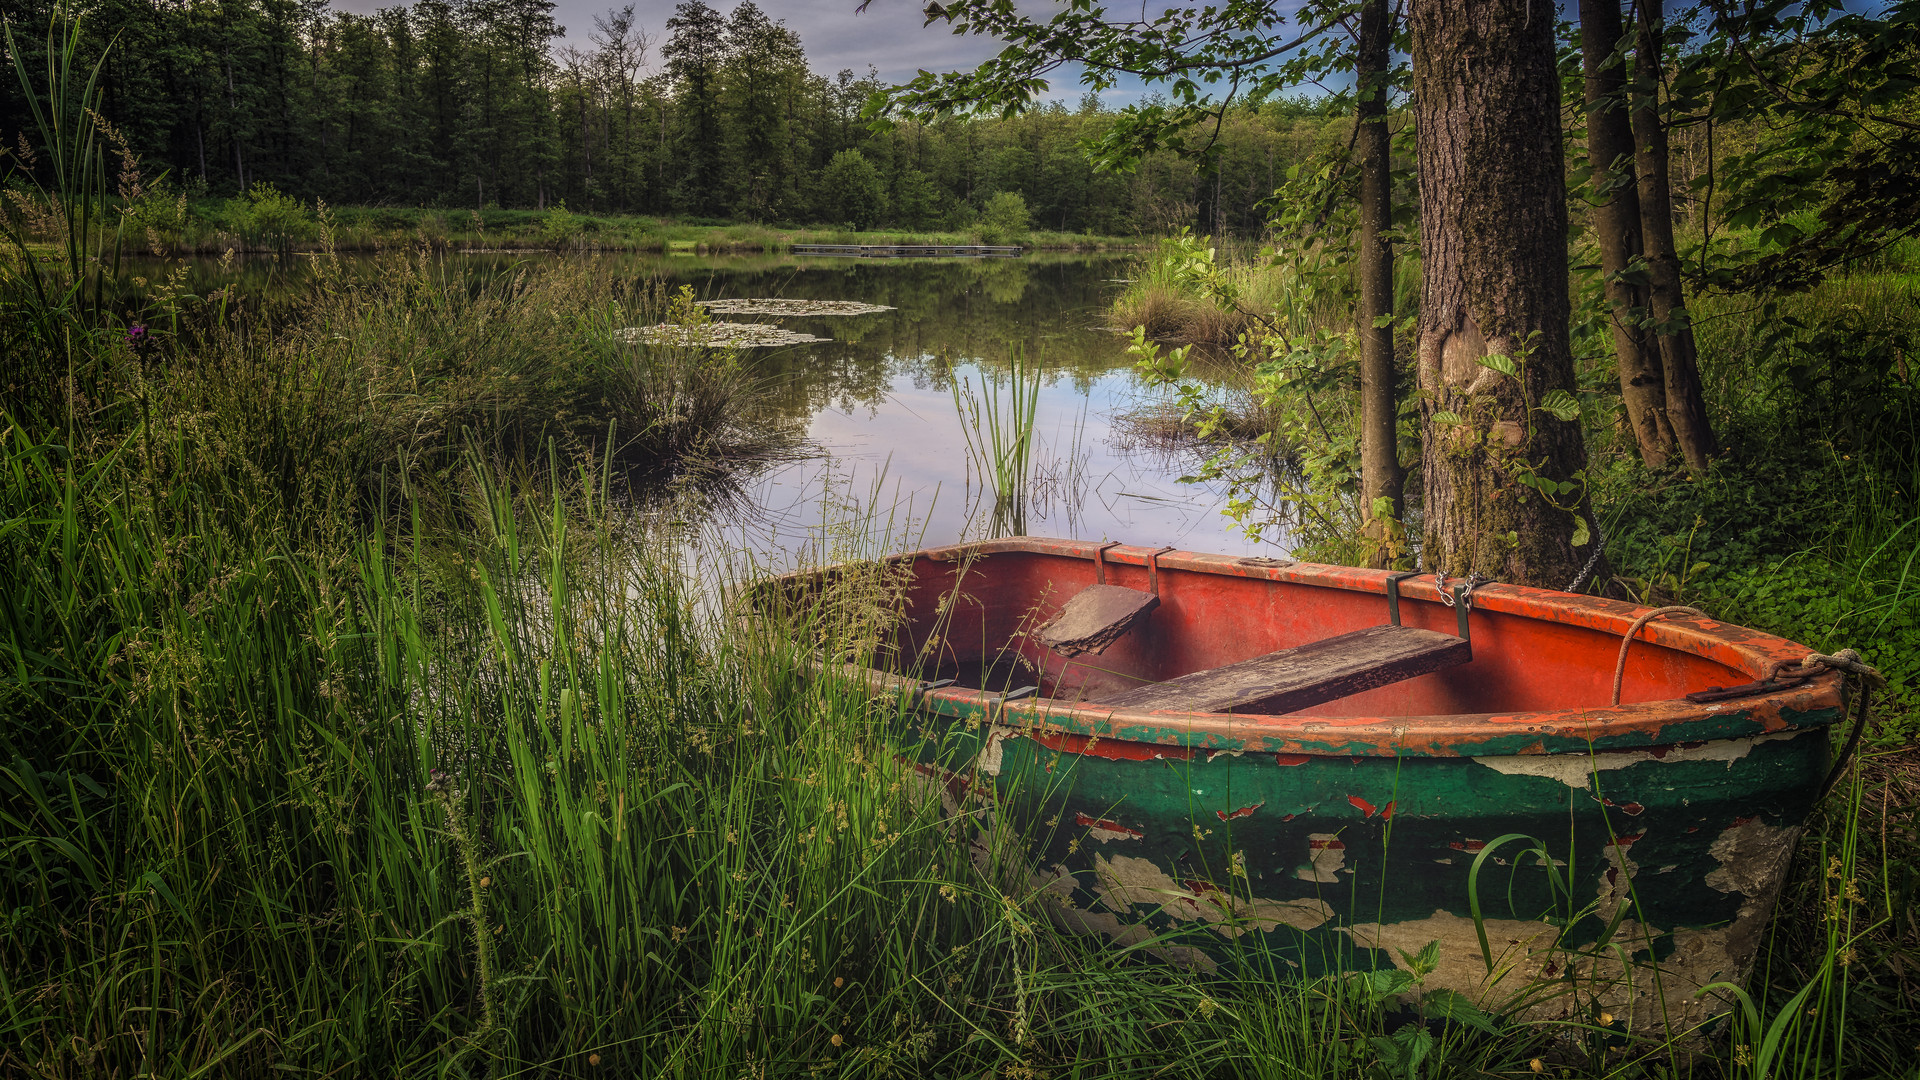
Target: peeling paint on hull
{"type": "Point", "coordinates": [1577, 770]}
{"type": "Point", "coordinates": [1322, 885]}
{"type": "Point", "coordinates": [1331, 842]}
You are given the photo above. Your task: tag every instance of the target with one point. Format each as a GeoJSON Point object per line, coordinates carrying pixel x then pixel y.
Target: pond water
{"type": "Point", "coordinates": [878, 404]}
{"type": "Point", "coordinates": [887, 447]}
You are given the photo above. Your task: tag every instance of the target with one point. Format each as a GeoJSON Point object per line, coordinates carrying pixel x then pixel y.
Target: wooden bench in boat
{"type": "Point", "coordinates": [1293, 679]}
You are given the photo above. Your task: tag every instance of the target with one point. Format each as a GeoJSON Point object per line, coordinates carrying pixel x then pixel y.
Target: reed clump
{"type": "Point", "coordinates": [1186, 290]}
{"type": "Point", "coordinates": [309, 407]}
{"type": "Point", "coordinates": [997, 423]}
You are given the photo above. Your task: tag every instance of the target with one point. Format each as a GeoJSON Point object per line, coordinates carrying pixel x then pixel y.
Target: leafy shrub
{"type": "Point", "coordinates": [852, 191]}
{"type": "Point", "coordinates": [158, 217]}
{"type": "Point", "coordinates": [1004, 219]}
{"type": "Point", "coordinates": [561, 225]}
{"type": "Point", "coordinates": [266, 216]}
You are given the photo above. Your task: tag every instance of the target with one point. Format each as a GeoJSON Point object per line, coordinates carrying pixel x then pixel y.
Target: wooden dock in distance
{"type": "Point", "coordinates": [909, 251]}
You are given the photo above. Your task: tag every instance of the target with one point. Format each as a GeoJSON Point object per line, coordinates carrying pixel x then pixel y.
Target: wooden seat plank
{"type": "Point", "coordinates": [1095, 618]}
{"type": "Point", "coordinates": [1293, 679]}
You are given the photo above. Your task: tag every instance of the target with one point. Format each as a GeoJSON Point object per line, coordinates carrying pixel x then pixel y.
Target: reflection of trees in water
{"type": "Point", "coordinates": [946, 313]}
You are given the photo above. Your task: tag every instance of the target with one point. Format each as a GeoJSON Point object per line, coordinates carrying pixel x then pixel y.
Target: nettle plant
{"type": "Point", "coordinates": [1301, 474]}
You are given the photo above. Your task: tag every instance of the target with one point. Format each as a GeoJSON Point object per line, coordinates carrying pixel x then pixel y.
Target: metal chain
{"type": "Point", "coordinates": [1474, 581]}
{"type": "Point", "coordinates": [1593, 561]}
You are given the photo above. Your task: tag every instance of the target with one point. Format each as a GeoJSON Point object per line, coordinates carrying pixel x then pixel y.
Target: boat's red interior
{"type": "Point", "coordinates": [1532, 650]}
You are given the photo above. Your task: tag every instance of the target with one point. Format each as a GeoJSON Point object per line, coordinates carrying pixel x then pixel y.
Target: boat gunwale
{"type": "Point", "coordinates": [1636, 726]}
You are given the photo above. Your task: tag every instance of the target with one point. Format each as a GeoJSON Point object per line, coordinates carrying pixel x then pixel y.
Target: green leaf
{"type": "Point", "coordinates": [1447, 418]}
{"type": "Point", "coordinates": [1580, 534]}
{"type": "Point", "coordinates": [1455, 1006]}
{"type": "Point", "coordinates": [1383, 320]}
{"type": "Point", "coordinates": [1423, 962]}
{"type": "Point", "coordinates": [1561, 404]}
{"type": "Point", "coordinates": [1501, 363]}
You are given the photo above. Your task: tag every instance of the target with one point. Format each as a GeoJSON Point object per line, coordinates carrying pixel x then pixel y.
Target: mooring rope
{"type": "Point", "coordinates": [1620, 667]}
{"type": "Point", "coordinates": [1847, 662]}
{"type": "Point", "coordinates": [1851, 667]}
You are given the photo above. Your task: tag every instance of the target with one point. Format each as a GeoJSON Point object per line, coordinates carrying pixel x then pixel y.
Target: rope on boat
{"type": "Point", "coordinates": [1865, 677]}
{"type": "Point", "coordinates": [1620, 667]}
{"type": "Point", "coordinates": [1851, 667]}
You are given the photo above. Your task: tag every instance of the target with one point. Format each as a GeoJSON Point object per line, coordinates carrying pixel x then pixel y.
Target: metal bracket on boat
{"type": "Point", "coordinates": [1000, 703]}
{"type": "Point", "coordinates": [925, 688]}
{"type": "Point", "coordinates": [1459, 600]}
{"type": "Point", "coordinates": [1393, 593]}
{"type": "Point", "coordinates": [1100, 561]}
{"type": "Point", "coordinates": [1153, 568]}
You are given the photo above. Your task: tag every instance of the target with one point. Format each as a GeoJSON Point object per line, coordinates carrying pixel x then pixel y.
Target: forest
{"type": "Point", "coordinates": [716, 115]}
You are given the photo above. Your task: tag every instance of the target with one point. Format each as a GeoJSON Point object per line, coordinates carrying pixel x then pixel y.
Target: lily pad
{"type": "Point", "coordinates": [720, 335]}
{"type": "Point", "coordinates": [765, 306]}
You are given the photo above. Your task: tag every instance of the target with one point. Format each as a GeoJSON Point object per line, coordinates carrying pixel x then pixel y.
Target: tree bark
{"type": "Point", "coordinates": [1616, 223]}
{"type": "Point", "coordinates": [1667, 304]}
{"type": "Point", "coordinates": [1494, 246]}
{"type": "Point", "coordinates": [1381, 476]}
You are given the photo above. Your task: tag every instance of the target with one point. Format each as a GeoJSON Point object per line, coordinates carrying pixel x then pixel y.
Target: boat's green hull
{"type": "Point", "coordinates": [1670, 858]}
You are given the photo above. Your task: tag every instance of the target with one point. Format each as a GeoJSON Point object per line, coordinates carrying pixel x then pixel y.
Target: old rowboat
{"type": "Point", "coordinates": [1236, 761]}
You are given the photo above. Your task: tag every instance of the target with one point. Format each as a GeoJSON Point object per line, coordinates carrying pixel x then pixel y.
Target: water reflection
{"type": "Point", "coordinates": [879, 405]}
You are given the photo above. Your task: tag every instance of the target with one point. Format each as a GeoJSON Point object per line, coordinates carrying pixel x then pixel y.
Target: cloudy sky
{"type": "Point", "coordinates": [887, 36]}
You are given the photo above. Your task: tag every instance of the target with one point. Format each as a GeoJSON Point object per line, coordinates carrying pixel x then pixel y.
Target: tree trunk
{"type": "Point", "coordinates": [1380, 474]}
{"type": "Point", "coordinates": [1616, 222]}
{"type": "Point", "coordinates": [1493, 235]}
{"type": "Point", "coordinates": [1667, 306]}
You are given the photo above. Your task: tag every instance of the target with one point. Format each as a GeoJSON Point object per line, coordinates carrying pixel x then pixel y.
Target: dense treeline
{"type": "Point", "coordinates": [474, 103]}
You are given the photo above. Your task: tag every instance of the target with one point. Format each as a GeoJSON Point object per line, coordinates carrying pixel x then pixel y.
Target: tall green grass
{"type": "Point", "coordinates": [52, 310]}
{"type": "Point", "coordinates": [474, 804]}
{"type": "Point", "coordinates": [1185, 289]}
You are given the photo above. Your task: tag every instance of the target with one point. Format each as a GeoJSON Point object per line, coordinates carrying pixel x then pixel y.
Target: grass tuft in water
{"type": "Point", "coordinates": [997, 421]}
